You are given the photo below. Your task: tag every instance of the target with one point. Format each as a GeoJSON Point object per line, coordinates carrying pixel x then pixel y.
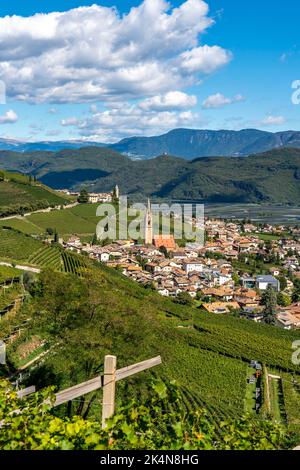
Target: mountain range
{"type": "Point", "coordinates": [270, 177]}
{"type": "Point", "coordinates": [185, 143]}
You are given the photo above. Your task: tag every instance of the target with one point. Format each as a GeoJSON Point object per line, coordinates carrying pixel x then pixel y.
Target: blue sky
{"type": "Point", "coordinates": [97, 73]}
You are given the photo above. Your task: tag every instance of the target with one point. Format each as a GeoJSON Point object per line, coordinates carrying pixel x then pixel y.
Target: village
{"type": "Point", "coordinates": [232, 273]}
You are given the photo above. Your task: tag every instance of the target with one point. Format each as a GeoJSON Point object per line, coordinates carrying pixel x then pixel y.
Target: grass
{"type": "Point", "coordinates": [23, 225]}
{"type": "Point", "coordinates": [32, 355]}
{"type": "Point", "coordinates": [266, 236]}
{"type": "Point", "coordinates": [65, 222]}
{"type": "Point", "coordinates": [8, 297]}
{"type": "Point", "coordinates": [7, 273]}
{"type": "Point", "coordinates": [291, 392]}
{"type": "Point", "coordinates": [17, 192]}
{"type": "Point", "coordinates": [80, 220]}
{"type": "Point", "coordinates": [250, 399]}
{"type": "Point", "coordinates": [274, 399]}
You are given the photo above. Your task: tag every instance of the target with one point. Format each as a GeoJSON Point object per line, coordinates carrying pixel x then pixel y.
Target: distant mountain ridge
{"type": "Point", "coordinates": [47, 146]}
{"type": "Point", "coordinates": [190, 144]}
{"type": "Point", "coordinates": [185, 143]}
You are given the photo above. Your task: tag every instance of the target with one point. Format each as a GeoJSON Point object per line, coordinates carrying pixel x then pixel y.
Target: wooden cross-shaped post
{"type": "Point", "coordinates": [109, 388]}
{"type": "Point", "coordinates": [107, 381]}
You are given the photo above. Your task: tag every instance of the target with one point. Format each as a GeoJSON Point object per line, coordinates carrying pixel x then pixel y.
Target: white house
{"type": "Point", "coordinates": [193, 266]}
{"type": "Point", "coordinates": [263, 282]}
{"type": "Point", "coordinates": [103, 257]}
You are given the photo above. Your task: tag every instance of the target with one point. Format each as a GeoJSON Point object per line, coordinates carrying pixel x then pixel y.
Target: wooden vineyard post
{"type": "Point", "coordinates": [109, 388]}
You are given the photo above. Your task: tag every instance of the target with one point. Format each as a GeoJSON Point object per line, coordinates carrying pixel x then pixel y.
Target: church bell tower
{"type": "Point", "coordinates": [148, 225]}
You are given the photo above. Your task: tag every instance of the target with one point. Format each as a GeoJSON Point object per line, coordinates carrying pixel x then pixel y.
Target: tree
{"type": "Point", "coordinates": [115, 195]}
{"type": "Point", "coordinates": [283, 282]}
{"type": "Point", "coordinates": [184, 298]}
{"type": "Point", "coordinates": [296, 294]}
{"type": "Point", "coordinates": [269, 300]}
{"type": "Point", "coordinates": [164, 251]}
{"type": "Point", "coordinates": [283, 300]}
{"type": "Point", "coordinates": [83, 197]}
{"type": "Point", "coordinates": [95, 239]}
{"type": "Point", "coordinates": [56, 237]}
{"type": "Point", "coordinates": [236, 279]}
{"type": "Point", "coordinates": [49, 231]}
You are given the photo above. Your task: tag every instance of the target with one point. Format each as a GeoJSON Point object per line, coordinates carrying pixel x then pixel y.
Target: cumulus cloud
{"type": "Point", "coordinates": [204, 59]}
{"type": "Point", "coordinates": [10, 117]}
{"type": "Point", "coordinates": [174, 100]}
{"type": "Point", "coordinates": [273, 121]}
{"type": "Point", "coordinates": [218, 101]}
{"type": "Point", "coordinates": [128, 120]}
{"type": "Point", "coordinates": [94, 53]}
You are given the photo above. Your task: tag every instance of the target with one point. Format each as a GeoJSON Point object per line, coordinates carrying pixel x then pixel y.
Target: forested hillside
{"type": "Point", "coordinates": [215, 179]}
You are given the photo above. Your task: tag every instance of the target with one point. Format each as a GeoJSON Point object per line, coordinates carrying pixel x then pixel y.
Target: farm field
{"type": "Point", "coordinates": [17, 246]}
{"type": "Point", "coordinates": [47, 257]}
{"type": "Point", "coordinates": [19, 194]}
{"type": "Point", "coordinates": [206, 355]}
{"type": "Point", "coordinates": [80, 220]}
{"type": "Point", "coordinates": [22, 224]}
{"type": "Point", "coordinates": [7, 274]}
{"type": "Point", "coordinates": [291, 395]}
{"type": "Point", "coordinates": [66, 222]}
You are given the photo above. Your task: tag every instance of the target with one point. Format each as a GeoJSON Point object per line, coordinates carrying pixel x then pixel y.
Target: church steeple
{"type": "Point", "coordinates": [148, 225]}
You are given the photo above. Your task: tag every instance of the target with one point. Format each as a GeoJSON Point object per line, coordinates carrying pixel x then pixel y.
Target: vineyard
{"type": "Point", "coordinates": [208, 356]}
{"type": "Point", "coordinates": [22, 224]}
{"type": "Point", "coordinates": [8, 297]}
{"type": "Point", "coordinates": [54, 257]}
{"type": "Point", "coordinates": [73, 264]}
{"type": "Point", "coordinates": [65, 222]}
{"type": "Point", "coordinates": [47, 257]}
{"type": "Point", "coordinates": [19, 195]}
{"type": "Point", "coordinates": [17, 246]}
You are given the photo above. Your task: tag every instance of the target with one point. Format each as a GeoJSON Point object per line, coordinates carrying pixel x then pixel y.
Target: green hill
{"type": "Point", "coordinates": [20, 194]}
{"type": "Point", "coordinates": [17, 247]}
{"type": "Point", "coordinates": [82, 319]}
{"type": "Point", "coordinates": [214, 179]}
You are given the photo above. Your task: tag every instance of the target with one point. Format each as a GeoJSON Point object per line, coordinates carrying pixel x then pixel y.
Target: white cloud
{"type": "Point", "coordinates": [218, 101]}
{"type": "Point", "coordinates": [204, 59]}
{"type": "Point", "coordinates": [128, 120]}
{"type": "Point", "coordinates": [173, 100]}
{"type": "Point", "coordinates": [10, 117]}
{"type": "Point", "coordinates": [273, 121]}
{"type": "Point", "coordinates": [93, 53]}
{"type": "Point", "coordinates": [72, 121]}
